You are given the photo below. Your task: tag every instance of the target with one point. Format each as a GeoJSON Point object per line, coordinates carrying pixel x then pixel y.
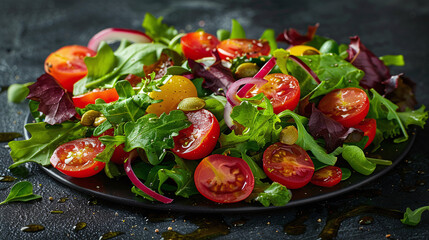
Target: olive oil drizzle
{"type": "Point", "coordinates": [33, 228]}
{"type": "Point", "coordinates": [9, 136]}
{"type": "Point", "coordinates": [333, 223]}
{"type": "Point", "coordinates": [7, 179]}
{"type": "Point", "coordinates": [79, 226]}
{"type": "Point", "coordinates": [110, 235]}
{"type": "Point", "coordinates": [208, 228]}
{"type": "Point", "coordinates": [297, 226]}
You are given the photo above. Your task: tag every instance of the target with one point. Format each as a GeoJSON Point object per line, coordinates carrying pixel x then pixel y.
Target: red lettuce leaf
{"type": "Point", "coordinates": [53, 100]}
{"type": "Point", "coordinates": [376, 73]}
{"type": "Point", "coordinates": [403, 93]}
{"type": "Point", "coordinates": [293, 37]}
{"type": "Point", "coordinates": [216, 77]}
{"type": "Point", "coordinates": [334, 134]}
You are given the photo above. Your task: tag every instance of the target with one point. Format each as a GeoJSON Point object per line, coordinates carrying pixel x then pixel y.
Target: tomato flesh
{"type": "Point", "coordinates": [232, 48]}
{"type": "Point", "coordinates": [348, 106]}
{"type": "Point", "coordinates": [288, 165]}
{"type": "Point", "coordinates": [172, 93]}
{"type": "Point", "coordinates": [76, 158]}
{"type": "Point", "coordinates": [369, 128]}
{"type": "Point", "coordinates": [67, 65]}
{"type": "Point", "coordinates": [199, 139]}
{"type": "Point", "coordinates": [282, 90]}
{"type": "Point", "coordinates": [197, 45]}
{"type": "Point", "coordinates": [327, 177]}
{"type": "Point", "coordinates": [224, 179]}
{"type": "Point", "coordinates": [109, 95]}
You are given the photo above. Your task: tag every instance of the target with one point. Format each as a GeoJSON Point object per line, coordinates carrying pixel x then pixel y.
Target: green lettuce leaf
{"type": "Point", "coordinates": [158, 31]}
{"type": "Point", "coordinates": [155, 134]}
{"type": "Point", "coordinates": [330, 68]}
{"type": "Point", "coordinates": [414, 117]}
{"type": "Point", "coordinates": [45, 139]}
{"type": "Point", "coordinates": [107, 67]}
{"type": "Point", "coordinates": [276, 195]}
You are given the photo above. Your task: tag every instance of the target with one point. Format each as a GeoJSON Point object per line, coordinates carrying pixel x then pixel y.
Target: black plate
{"type": "Point", "coordinates": [119, 190]}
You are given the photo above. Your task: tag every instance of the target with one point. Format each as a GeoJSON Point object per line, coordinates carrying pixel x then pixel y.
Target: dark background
{"type": "Point", "coordinates": [30, 30]}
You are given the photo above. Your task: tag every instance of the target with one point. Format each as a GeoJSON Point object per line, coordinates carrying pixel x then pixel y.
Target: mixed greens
{"type": "Point", "coordinates": [138, 71]}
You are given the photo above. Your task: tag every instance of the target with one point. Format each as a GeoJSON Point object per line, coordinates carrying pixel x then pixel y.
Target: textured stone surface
{"type": "Point", "coordinates": [32, 29]}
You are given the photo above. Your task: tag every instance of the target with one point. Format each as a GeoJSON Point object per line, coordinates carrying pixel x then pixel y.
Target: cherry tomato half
{"type": "Point", "coordinates": [282, 90]}
{"type": "Point", "coordinates": [348, 106]}
{"type": "Point", "coordinates": [327, 177]}
{"type": "Point", "coordinates": [288, 165]}
{"type": "Point", "coordinates": [197, 45]}
{"type": "Point", "coordinates": [224, 179]}
{"type": "Point", "coordinates": [76, 158]}
{"type": "Point", "coordinates": [172, 93]}
{"type": "Point", "coordinates": [66, 65]}
{"type": "Point", "coordinates": [199, 139]}
{"type": "Point", "coordinates": [119, 155]}
{"type": "Point", "coordinates": [232, 48]}
{"type": "Point", "coordinates": [109, 95]}
{"type": "Point", "coordinates": [369, 128]}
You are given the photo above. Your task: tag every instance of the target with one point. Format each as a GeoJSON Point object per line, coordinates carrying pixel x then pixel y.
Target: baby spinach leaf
{"type": "Point", "coordinates": [17, 93]}
{"type": "Point", "coordinates": [357, 160]}
{"type": "Point", "coordinates": [45, 139]}
{"type": "Point", "coordinates": [276, 195]}
{"type": "Point", "coordinates": [413, 218]}
{"type": "Point", "coordinates": [155, 134]}
{"type": "Point", "coordinates": [21, 192]}
{"type": "Point", "coordinates": [393, 60]}
{"type": "Point", "coordinates": [345, 174]}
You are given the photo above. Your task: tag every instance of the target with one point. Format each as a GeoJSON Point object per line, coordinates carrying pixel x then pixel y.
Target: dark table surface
{"type": "Point", "coordinates": [30, 30]}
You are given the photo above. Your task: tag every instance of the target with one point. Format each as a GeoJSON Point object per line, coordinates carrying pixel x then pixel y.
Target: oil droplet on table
{"type": "Point", "coordinates": [62, 200]}
{"type": "Point", "coordinates": [239, 223]}
{"type": "Point", "coordinates": [33, 228]}
{"type": "Point", "coordinates": [7, 179]}
{"type": "Point", "coordinates": [79, 226]}
{"type": "Point", "coordinates": [297, 226]}
{"type": "Point", "coordinates": [208, 228]}
{"type": "Point", "coordinates": [9, 136]}
{"type": "Point", "coordinates": [93, 201]}
{"type": "Point", "coordinates": [57, 211]}
{"type": "Point", "coordinates": [110, 235]}
{"type": "Point", "coordinates": [333, 223]}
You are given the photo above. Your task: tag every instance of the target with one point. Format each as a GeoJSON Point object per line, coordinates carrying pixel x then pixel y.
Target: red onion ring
{"type": "Point", "coordinates": [111, 35]}
{"type": "Point", "coordinates": [268, 66]}
{"type": "Point", "coordinates": [233, 88]}
{"type": "Point", "coordinates": [134, 179]}
{"type": "Point", "coordinates": [227, 116]}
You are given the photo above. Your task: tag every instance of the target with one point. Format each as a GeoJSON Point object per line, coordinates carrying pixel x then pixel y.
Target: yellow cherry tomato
{"type": "Point", "coordinates": [172, 93]}
{"type": "Point", "coordinates": [301, 50]}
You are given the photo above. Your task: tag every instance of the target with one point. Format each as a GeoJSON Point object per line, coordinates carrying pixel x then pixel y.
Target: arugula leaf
{"type": "Point", "coordinates": [158, 31]}
{"type": "Point", "coordinates": [413, 218]}
{"type": "Point", "coordinates": [129, 106]}
{"type": "Point", "coordinates": [237, 30]}
{"type": "Point", "coordinates": [414, 117]}
{"type": "Point", "coordinates": [17, 93]}
{"type": "Point", "coordinates": [53, 100]}
{"type": "Point", "coordinates": [45, 139]}
{"type": "Point", "coordinates": [140, 193]}
{"type": "Point", "coordinates": [155, 134]}
{"type": "Point", "coordinates": [388, 121]}
{"type": "Point", "coordinates": [21, 192]}
{"type": "Point", "coordinates": [260, 125]}
{"type": "Point", "coordinates": [307, 142]}
{"type": "Point", "coordinates": [330, 68]}
{"type": "Point", "coordinates": [107, 67]}
{"type": "Point", "coordinates": [393, 60]}
{"type": "Point", "coordinates": [182, 175]}
{"type": "Point", "coordinates": [276, 194]}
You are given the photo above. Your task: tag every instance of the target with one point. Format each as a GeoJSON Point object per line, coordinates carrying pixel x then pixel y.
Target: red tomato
{"type": "Point", "coordinates": [232, 48]}
{"type": "Point", "coordinates": [109, 95]}
{"type": "Point", "coordinates": [282, 90]}
{"type": "Point", "coordinates": [288, 165]}
{"type": "Point", "coordinates": [119, 155]}
{"type": "Point", "coordinates": [76, 158]}
{"type": "Point", "coordinates": [348, 106]}
{"type": "Point", "coordinates": [369, 128]}
{"type": "Point", "coordinates": [198, 45]}
{"type": "Point", "coordinates": [224, 179]}
{"type": "Point", "coordinates": [199, 139]}
{"type": "Point", "coordinates": [327, 177]}
{"type": "Point", "coordinates": [66, 65]}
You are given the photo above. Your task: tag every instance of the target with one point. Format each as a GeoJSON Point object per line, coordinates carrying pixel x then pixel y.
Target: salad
{"type": "Point", "coordinates": [230, 118]}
